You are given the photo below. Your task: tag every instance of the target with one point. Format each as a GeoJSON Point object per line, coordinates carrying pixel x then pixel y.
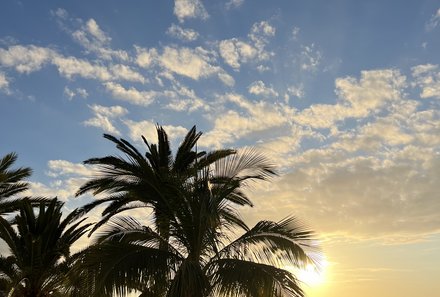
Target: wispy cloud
{"type": "Point", "coordinates": [25, 59]}
{"type": "Point", "coordinates": [310, 58]}
{"type": "Point", "coordinates": [259, 88]}
{"type": "Point", "coordinates": [434, 21]}
{"type": "Point", "coordinates": [232, 4]}
{"type": "Point", "coordinates": [4, 83]}
{"type": "Point", "coordinates": [236, 52]}
{"type": "Point", "coordinates": [182, 34]}
{"type": "Point", "coordinates": [427, 78]}
{"type": "Point", "coordinates": [70, 94]}
{"type": "Point", "coordinates": [104, 116]}
{"type": "Point", "coordinates": [131, 95]}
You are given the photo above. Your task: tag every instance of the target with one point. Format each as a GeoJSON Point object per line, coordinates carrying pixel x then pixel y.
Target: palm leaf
{"type": "Point", "coordinates": [276, 243]}
{"type": "Point", "coordinates": [234, 277]}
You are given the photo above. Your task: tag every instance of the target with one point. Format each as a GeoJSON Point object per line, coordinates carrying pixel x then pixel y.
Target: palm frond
{"type": "Point", "coordinates": [11, 180]}
{"type": "Point", "coordinates": [277, 243]}
{"type": "Point", "coordinates": [246, 164]}
{"type": "Point", "coordinates": [234, 277]}
{"type": "Point", "coordinates": [119, 267]}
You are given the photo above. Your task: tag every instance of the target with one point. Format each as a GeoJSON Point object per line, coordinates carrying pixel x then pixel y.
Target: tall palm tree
{"type": "Point", "coordinates": [11, 182]}
{"type": "Point", "coordinates": [201, 259]}
{"type": "Point", "coordinates": [154, 180]}
{"type": "Point", "coordinates": [39, 243]}
{"type": "Point", "coordinates": [181, 252]}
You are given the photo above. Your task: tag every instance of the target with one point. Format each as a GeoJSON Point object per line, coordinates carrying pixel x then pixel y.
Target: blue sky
{"type": "Point", "coordinates": [343, 95]}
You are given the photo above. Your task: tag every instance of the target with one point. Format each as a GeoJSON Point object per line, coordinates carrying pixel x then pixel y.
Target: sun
{"type": "Point", "coordinates": [311, 276]}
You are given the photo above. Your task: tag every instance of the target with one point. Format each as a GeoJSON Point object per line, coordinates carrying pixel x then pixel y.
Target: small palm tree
{"type": "Point", "coordinates": [39, 243]}
{"type": "Point", "coordinates": [11, 182]}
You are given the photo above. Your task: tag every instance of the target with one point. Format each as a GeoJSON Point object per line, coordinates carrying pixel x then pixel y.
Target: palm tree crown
{"type": "Point", "coordinates": [149, 180]}
{"type": "Point", "coordinates": [39, 242]}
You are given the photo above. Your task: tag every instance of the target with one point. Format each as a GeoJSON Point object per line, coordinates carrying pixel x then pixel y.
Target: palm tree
{"type": "Point", "coordinates": [201, 259]}
{"type": "Point", "coordinates": [184, 251]}
{"type": "Point", "coordinates": [154, 180]}
{"type": "Point", "coordinates": [39, 243]}
{"type": "Point", "coordinates": [149, 180]}
{"type": "Point", "coordinates": [11, 182]}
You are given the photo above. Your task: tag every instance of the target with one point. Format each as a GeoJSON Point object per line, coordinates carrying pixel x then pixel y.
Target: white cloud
{"type": "Point", "coordinates": [186, 100]}
{"type": "Point", "coordinates": [235, 52]}
{"type": "Point", "coordinates": [124, 72]}
{"type": "Point", "coordinates": [231, 4]}
{"type": "Point", "coordinates": [103, 122]}
{"type": "Point", "coordinates": [374, 89]}
{"type": "Point", "coordinates": [148, 130]}
{"type": "Point", "coordinates": [68, 177]}
{"type": "Point", "coordinates": [185, 9]}
{"type": "Point", "coordinates": [4, 83]}
{"type": "Point", "coordinates": [382, 133]}
{"type": "Point", "coordinates": [131, 95]}
{"type": "Point", "coordinates": [58, 168]}
{"type": "Point", "coordinates": [94, 40]}
{"type": "Point", "coordinates": [310, 58]}
{"type": "Point", "coordinates": [227, 79]}
{"type": "Point", "coordinates": [229, 53]}
{"type": "Point", "coordinates": [230, 125]}
{"type": "Point", "coordinates": [182, 34]}
{"type": "Point", "coordinates": [71, 66]}
{"type": "Point", "coordinates": [82, 92]}
{"type": "Point", "coordinates": [96, 32]}
{"type": "Point", "coordinates": [188, 62]}
{"type": "Point", "coordinates": [62, 189]}
{"type": "Point", "coordinates": [259, 88]}
{"type": "Point", "coordinates": [282, 149]}
{"type": "Point", "coordinates": [361, 197]}
{"type": "Point", "coordinates": [296, 91]}
{"type": "Point", "coordinates": [70, 94]}
{"type": "Point", "coordinates": [358, 98]}
{"type": "Point", "coordinates": [262, 28]}
{"type": "Point", "coordinates": [111, 111]}
{"type": "Point", "coordinates": [103, 117]}
{"type": "Point", "coordinates": [434, 21]}
{"type": "Point", "coordinates": [295, 33]}
{"type": "Point", "coordinates": [145, 57]}
{"type": "Point", "coordinates": [60, 13]}
{"type": "Point", "coordinates": [25, 59]}
{"type": "Point", "coordinates": [427, 77]}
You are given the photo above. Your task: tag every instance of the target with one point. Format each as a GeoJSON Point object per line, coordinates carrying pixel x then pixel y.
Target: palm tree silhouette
{"type": "Point", "coordinates": [187, 250]}
{"type": "Point", "coordinates": [39, 243]}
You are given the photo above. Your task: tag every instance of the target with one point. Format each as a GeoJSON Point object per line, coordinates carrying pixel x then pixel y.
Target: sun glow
{"type": "Point", "coordinates": [310, 275]}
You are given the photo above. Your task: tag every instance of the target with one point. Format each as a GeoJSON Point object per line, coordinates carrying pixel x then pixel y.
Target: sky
{"type": "Point", "coordinates": [343, 96]}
